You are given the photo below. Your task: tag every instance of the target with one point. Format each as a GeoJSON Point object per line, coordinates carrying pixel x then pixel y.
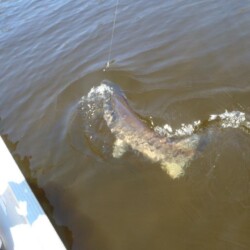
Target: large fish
{"type": "Point", "coordinates": [130, 131]}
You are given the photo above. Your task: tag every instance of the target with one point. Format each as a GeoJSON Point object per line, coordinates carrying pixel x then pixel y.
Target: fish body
{"type": "Point", "coordinates": [130, 131]}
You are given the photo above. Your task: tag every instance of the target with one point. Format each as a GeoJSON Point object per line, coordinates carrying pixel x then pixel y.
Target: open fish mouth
{"type": "Point", "coordinates": [105, 109]}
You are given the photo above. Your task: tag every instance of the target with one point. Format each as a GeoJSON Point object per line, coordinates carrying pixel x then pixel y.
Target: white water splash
{"type": "Point", "coordinates": [233, 119]}
{"type": "Point", "coordinates": [97, 93]}
{"type": "Point", "coordinates": [95, 100]}
{"type": "Point", "coordinates": [185, 129]}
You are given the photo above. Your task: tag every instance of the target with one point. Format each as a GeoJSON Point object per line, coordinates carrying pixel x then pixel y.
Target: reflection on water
{"type": "Point", "coordinates": [178, 62]}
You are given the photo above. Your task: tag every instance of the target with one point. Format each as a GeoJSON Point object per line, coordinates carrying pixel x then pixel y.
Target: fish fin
{"type": "Point", "coordinates": [119, 148]}
{"type": "Point", "coordinates": [174, 170]}
{"type": "Point", "coordinates": [190, 142]}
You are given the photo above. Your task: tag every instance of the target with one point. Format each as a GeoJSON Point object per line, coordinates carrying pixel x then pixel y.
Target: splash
{"type": "Point", "coordinates": [112, 127]}
{"type": "Point", "coordinates": [91, 109]}
{"type": "Point", "coordinates": [233, 119]}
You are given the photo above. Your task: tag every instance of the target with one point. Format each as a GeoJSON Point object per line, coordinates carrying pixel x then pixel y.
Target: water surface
{"type": "Point", "coordinates": [177, 62]}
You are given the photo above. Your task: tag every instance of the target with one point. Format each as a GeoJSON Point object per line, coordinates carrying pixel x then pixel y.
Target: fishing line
{"type": "Point", "coordinates": [112, 37]}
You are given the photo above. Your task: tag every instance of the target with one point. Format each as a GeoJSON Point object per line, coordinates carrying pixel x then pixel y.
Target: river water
{"type": "Point", "coordinates": [180, 63]}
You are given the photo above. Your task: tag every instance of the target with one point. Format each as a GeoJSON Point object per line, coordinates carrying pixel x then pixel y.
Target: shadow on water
{"type": "Point", "coordinates": [86, 232]}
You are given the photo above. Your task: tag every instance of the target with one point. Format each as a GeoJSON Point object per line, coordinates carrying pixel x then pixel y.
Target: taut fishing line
{"type": "Point", "coordinates": [112, 37]}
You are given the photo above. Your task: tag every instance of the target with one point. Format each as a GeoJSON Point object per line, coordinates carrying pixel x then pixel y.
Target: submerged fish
{"type": "Point", "coordinates": [130, 131]}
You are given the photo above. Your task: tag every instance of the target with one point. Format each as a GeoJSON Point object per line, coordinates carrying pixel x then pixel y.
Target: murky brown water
{"type": "Point", "coordinates": [177, 62]}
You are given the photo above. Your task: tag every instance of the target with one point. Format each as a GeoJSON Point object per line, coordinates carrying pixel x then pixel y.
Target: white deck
{"type": "Point", "coordinates": [23, 223]}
